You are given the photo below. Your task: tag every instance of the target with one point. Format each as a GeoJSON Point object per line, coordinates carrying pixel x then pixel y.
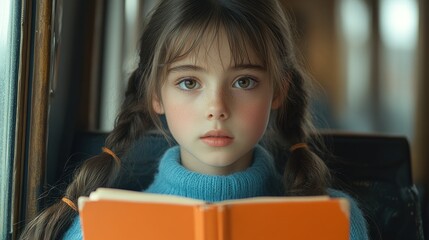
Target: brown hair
{"type": "Point", "coordinates": [175, 29]}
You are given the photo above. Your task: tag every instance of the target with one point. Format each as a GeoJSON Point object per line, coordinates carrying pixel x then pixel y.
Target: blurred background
{"type": "Point", "coordinates": [369, 60]}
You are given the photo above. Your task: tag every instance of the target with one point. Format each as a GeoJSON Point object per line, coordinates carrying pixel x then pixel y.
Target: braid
{"type": "Point", "coordinates": [99, 171]}
{"type": "Point", "coordinates": [132, 121]}
{"type": "Point", "coordinates": [304, 173]}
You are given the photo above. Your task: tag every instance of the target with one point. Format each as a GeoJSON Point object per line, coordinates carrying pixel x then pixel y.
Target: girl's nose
{"type": "Point", "coordinates": [218, 108]}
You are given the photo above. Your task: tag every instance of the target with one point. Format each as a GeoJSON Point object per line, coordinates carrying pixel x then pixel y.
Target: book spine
{"type": "Point", "coordinates": [222, 222]}
{"type": "Point", "coordinates": [206, 222]}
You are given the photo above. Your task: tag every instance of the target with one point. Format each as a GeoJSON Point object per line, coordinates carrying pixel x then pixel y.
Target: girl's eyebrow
{"type": "Point", "coordinates": [189, 67]}
{"type": "Point", "coordinates": [184, 68]}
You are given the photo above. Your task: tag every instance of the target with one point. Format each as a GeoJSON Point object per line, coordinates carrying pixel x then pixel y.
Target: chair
{"type": "Point", "coordinates": [374, 169]}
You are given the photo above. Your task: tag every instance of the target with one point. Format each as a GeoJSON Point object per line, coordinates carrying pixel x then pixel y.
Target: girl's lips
{"type": "Point", "coordinates": [217, 138]}
{"type": "Point", "coordinates": [217, 141]}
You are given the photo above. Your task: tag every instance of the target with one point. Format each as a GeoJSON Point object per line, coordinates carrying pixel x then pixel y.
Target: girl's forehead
{"type": "Point", "coordinates": [233, 50]}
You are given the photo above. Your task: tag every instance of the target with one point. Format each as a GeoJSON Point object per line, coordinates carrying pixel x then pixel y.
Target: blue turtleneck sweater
{"type": "Point", "coordinates": [260, 179]}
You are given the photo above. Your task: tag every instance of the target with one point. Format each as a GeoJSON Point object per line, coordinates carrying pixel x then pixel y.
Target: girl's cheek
{"type": "Point", "coordinates": [180, 117]}
{"type": "Point", "coordinates": [255, 118]}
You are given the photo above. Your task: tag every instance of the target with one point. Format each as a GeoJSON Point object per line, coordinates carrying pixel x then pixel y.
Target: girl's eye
{"type": "Point", "coordinates": [245, 83]}
{"type": "Point", "coordinates": [188, 84]}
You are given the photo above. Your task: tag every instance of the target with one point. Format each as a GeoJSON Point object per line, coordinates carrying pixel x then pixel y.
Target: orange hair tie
{"type": "Point", "coordinates": [70, 203]}
{"type": "Point", "coordinates": [111, 153]}
{"type": "Point", "coordinates": [297, 146]}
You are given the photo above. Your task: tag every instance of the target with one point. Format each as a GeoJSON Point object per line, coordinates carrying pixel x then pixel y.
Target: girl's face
{"type": "Point", "coordinates": [216, 110]}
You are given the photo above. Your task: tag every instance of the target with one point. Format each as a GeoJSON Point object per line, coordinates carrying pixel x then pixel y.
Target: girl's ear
{"type": "Point", "coordinates": [157, 106]}
{"type": "Point", "coordinates": [280, 95]}
{"type": "Point", "coordinates": [279, 98]}
{"type": "Point", "coordinates": [277, 101]}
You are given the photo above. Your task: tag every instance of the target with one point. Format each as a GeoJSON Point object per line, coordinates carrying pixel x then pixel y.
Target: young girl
{"type": "Point", "coordinates": [223, 73]}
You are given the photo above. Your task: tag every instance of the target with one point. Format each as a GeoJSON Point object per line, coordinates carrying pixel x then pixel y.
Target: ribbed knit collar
{"type": "Point", "coordinates": [260, 179]}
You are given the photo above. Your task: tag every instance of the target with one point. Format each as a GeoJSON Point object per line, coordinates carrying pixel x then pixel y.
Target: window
{"type": "Point", "coordinates": [9, 52]}
{"type": "Point", "coordinates": [380, 52]}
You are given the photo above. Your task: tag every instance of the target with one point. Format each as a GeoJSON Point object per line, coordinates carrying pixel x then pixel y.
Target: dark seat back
{"type": "Point", "coordinates": [374, 169]}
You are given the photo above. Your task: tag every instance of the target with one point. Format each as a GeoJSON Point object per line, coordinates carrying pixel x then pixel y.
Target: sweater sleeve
{"type": "Point", "coordinates": [358, 225]}
{"type": "Point", "coordinates": [75, 231]}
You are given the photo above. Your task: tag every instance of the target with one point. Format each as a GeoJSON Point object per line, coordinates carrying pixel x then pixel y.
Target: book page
{"type": "Point", "coordinates": [134, 196]}
{"type": "Point", "coordinates": [275, 199]}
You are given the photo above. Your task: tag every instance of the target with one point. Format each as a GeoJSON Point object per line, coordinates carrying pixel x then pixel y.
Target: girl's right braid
{"type": "Point", "coordinates": [99, 171]}
{"type": "Point", "coordinates": [132, 121]}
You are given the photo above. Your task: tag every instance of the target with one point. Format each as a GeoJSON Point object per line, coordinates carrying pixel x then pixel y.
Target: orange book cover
{"type": "Point", "coordinates": [122, 214]}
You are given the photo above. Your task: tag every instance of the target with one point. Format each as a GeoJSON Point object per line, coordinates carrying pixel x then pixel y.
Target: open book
{"type": "Point", "coordinates": [122, 214]}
